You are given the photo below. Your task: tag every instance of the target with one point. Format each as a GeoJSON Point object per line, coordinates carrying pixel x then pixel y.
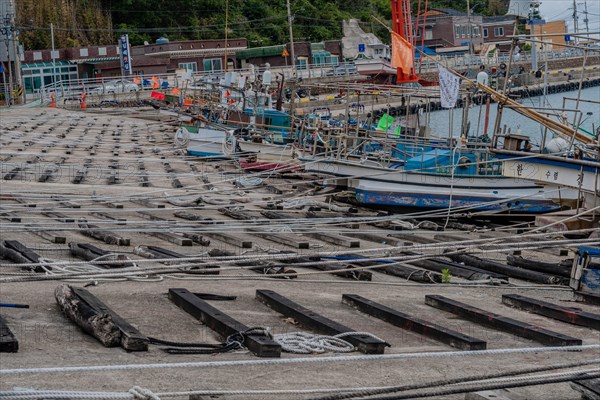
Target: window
{"type": "Point", "coordinates": [54, 54]}
{"type": "Point", "coordinates": [189, 66]}
{"type": "Point", "coordinates": [301, 62]}
{"type": "Point", "coordinates": [37, 55]}
{"type": "Point", "coordinates": [485, 32]}
{"type": "Point", "coordinates": [476, 31]}
{"type": "Point", "coordinates": [499, 31]}
{"type": "Point", "coordinates": [456, 31]}
{"type": "Point", "coordinates": [428, 34]}
{"type": "Point", "coordinates": [212, 65]}
{"type": "Point", "coordinates": [83, 52]}
{"type": "Point", "coordinates": [101, 51]}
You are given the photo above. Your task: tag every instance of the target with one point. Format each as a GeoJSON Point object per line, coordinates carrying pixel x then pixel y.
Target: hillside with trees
{"type": "Point", "coordinates": [88, 22]}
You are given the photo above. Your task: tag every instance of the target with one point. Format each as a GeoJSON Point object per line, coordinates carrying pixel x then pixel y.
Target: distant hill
{"type": "Point", "coordinates": [87, 22]}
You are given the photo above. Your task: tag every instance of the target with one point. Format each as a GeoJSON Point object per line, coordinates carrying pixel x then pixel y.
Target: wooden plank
{"type": "Point", "coordinates": [155, 252]}
{"type": "Point", "coordinates": [280, 238]}
{"type": "Point", "coordinates": [414, 324]}
{"type": "Point", "coordinates": [261, 267]}
{"type": "Point", "coordinates": [338, 240]}
{"type": "Point", "coordinates": [119, 221]}
{"type": "Point", "coordinates": [230, 239]}
{"type": "Point", "coordinates": [146, 203]}
{"type": "Point", "coordinates": [58, 217]}
{"type": "Point", "coordinates": [52, 237]}
{"type": "Point", "coordinates": [571, 315]}
{"type": "Point", "coordinates": [149, 216]}
{"type": "Point", "coordinates": [98, 233]}
{"type": "Point", "coordinates": [317, 322]}
{"type": "Point", "coordinates": [17, 252]}
{"type": "Point", "coordinates": [8, 341]}
{"type": "Point", "coordinates": [589, 388]}
{"type": "Point", "coordinates": [90, 252]}
{"type": "Point", "coordinates": [9, 216]}
{"type": "Point", "coordinates": [172, 238]}
{"type": "Point", "coordinates": [500, 322]}
{"type": "Point", "coordinates": [107, 203]}
{"type": "Point", "coordinates": [555, 251]}
{"type": "Point", "coordinates": [131, 338]}
{"type": "Point", "coordinates": [588, 298]}
{"type": "Point", "coordinates": [371, 237]}
{"type": "Point", "coordinates": [223, 324]}
{"type": "Point", "coordinates": [411, 237]}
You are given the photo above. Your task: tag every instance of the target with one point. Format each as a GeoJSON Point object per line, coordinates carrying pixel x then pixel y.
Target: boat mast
{"type": "Point", "coordinates": [226, 29]}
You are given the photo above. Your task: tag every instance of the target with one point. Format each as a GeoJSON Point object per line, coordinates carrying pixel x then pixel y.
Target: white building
{"type": "Point", "coordinates": [358, 44]}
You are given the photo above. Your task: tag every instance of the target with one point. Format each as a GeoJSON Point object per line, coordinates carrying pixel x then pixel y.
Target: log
{"type": "Point", "coordinates": [561, 269]}
{"type": "Point", "coordinates": [514, 272]}
{"type": "Point", "coordinates": [98, 324]}
{"type": "Point", "coordinates": [96, 232]}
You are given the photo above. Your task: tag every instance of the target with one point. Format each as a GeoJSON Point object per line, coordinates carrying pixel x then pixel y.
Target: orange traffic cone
{"type": "Point", "coordinates": [52, 100]}
{"type": "Point", "coordinates": [83, 106]}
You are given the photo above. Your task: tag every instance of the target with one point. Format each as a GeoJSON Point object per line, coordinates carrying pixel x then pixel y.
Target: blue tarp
{"type": "Point", "coordinates": [590, 251]}
{"type": "Point", "coordinates": [424, 49]}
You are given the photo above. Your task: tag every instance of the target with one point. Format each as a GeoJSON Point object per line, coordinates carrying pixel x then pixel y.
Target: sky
{"type": "Point", "coordinates": [554, 10]}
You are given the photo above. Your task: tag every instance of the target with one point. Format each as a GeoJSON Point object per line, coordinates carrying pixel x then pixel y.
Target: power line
{"type": "Point", "coordinates": [161, 29]}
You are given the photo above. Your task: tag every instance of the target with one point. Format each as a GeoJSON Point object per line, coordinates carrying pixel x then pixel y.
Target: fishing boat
{"type": "Point", "coordinates": [243, 122]}
{"type": "Point", "coordinates": [579, 170]}
{"type": "Point", "coordinates": [443, 178]}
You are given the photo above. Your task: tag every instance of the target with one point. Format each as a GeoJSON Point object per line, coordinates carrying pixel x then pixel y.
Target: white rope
{"type": "Point", "coordinates": [326, 359]}
{"type": "Point", "coordinates": [310, 343]}
{"type": "Point", "coordinates": [138, 393]}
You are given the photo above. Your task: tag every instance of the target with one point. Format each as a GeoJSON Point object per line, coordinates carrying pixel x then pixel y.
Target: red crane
{"type": "Point", "coordinates": [402, 25]}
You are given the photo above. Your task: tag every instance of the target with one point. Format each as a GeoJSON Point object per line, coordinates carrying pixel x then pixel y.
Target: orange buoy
{"type": "Point", "coordinates": [52, 100]}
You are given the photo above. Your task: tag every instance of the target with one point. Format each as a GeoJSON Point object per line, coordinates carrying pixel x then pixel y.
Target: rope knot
{"type": "Point", "coordinates": [140, 393]}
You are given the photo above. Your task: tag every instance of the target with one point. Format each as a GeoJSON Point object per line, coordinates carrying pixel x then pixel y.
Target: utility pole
{"type": "Point", "coordinates": [10, 33]}
{"type": "Point", "coordinates": [52, 54]}
{"type": "Point", "coordinates": [586, 19]}
{"type": "Point", "coordinates": [469, 26]}
{"type": "Point", "coordinates": [575, 20]}
{"type": "Point", "coordinates": [290, 20]}
{"type": "Point", "coordinates": [5, 31]}
{"type": "Point", "coordinates": [17, 60]}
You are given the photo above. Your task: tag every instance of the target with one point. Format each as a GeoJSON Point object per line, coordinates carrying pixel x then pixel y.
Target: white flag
{"type": "Point", "coordinates": [449, 87]}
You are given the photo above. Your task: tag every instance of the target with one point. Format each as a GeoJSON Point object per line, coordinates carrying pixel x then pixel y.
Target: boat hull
{"type": "Point", "coordinates": [518, 201]}
{"type": "Point", "coordinates": [391, 186]}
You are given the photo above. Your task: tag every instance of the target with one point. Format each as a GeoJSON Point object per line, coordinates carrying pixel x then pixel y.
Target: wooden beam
{"type": "Point", "coordinates": [317, 322]}
{"type": "Point", "coordinates": [230, 239]}
{"type": "Point", "coordinates": [500, 322]}
{"type": "Point", "coordinates": [8, 341]}
{"type": "Point", "coordinates": [570, 315]}
{"type": "Point", "coordinates": [223, 324]}
{"type": "Point", "coordinates": [414, 324]}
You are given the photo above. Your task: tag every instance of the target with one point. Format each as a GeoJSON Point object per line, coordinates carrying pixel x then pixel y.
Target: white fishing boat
{"type": "Point", "coordinates": [431, 180]}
